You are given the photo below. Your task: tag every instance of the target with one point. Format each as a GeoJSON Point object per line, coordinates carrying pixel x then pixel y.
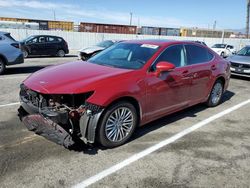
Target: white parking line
{"type": "Point", "coordinates": [156, 147]}
{"type": "Point", "coordinates": [10, 104]}
{"type": "Point", "coordinates": [14, 77]}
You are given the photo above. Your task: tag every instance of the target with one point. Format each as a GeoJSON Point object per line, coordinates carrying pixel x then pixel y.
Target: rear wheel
{"type": "Point", "coordinates": [216, 94]}
{"type": "Point", "coordinates": [60, 53]}
{"type": "Point", "coordinates": [2, 66]}
{"type": "Point", "coordinates": [117, 125]}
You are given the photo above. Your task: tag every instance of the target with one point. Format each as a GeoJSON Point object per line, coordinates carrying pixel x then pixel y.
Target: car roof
{"type": "Point", "coordinates": [161, 42]}
{"type": "Point", "coordinates": [45, 36]}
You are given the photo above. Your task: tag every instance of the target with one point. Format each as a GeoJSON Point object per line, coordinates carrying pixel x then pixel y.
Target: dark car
{"type": "Point", "coordinates": [123, 87]}
{"type": "Point", "coordinates": [44, 45]}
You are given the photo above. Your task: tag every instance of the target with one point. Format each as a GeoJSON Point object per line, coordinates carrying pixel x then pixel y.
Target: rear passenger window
{"type": "Point", "coordinates": [51, 39]}
{"type": "Point", "coordinates": [197, 54]}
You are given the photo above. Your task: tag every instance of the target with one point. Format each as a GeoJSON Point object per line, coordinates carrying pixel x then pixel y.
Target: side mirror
{"type": "Point", "coordinates": [164, 66]}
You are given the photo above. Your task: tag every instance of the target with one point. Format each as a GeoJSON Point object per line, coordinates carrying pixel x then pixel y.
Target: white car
{"type": "Point", "coordinates": [224, 50]}
{"type": "Point", "coordinates": [89, 52]}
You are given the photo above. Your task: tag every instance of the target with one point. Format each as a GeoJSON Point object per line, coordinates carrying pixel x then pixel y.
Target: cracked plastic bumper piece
{"type": "Point", "coordinates": [48, 129]}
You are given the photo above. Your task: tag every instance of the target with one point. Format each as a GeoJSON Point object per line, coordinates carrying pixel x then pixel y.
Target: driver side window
{"type": "Point", "coordinates": [32, 41]}
{"type": "Point", "coordinates": [173, 54]}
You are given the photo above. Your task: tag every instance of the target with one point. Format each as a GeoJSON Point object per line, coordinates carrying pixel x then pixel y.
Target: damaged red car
{"type": "Point", "coordinates": [127, 85]}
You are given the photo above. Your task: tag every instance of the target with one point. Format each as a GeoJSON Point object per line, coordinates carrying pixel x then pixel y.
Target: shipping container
{"type": "Point", "coordinates": [146, 30]}
{"type": "Point", "coordinates": [43, 25]}
{"type": "Point", "coordinates": [107, 28]}
{"type": "Point", "coordinates": [61, 25]}
{"type": "Point", "coordinates": [173, 32]}
{"type": "Point", "coordinates": [197, 32]}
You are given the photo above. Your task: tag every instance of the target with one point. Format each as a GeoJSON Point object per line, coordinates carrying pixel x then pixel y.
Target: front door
{"type": "Point", "coordinates": [170, 91]}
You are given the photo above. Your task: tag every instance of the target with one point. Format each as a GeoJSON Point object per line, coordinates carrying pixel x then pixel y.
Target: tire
{"type": "Point", "coordinates": [215, 94]}
{"type": "Point", "coordinates": [25, 53]}
{"type": "Point", "coordinates": [84, 58]}
{"type": "Point", "coordinates": [2, 66]}
{"type": "Point", "coordinates": [117, 124]}
{"type": "Point", "coordinates": [222, 54]}
{"type": "Point", "coordinates": [60, 53]}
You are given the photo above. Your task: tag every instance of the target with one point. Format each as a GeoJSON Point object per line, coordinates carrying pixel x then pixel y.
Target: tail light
{"type": "Point", "coordinates": [16, 45]}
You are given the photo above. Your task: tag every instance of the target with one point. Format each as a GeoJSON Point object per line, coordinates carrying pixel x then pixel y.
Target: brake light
{"type": "Point", "coordinates": [16, 45]}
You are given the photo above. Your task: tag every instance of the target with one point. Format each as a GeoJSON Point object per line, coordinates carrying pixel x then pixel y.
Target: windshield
{"type": "Point", "coordinates": [105, 44]}
{"type": "Point", "coordinates": [27, 39]}
{"type": "Point", "coordinates": [219, 46]}
{"type": "Point", "coordinates": [244, 51]}
{"type": "Point", "coordinates": [125, 55]}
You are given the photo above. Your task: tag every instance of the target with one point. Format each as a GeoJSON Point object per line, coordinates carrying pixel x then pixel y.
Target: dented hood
{"type": "Point", "coordinates": [72, 78]}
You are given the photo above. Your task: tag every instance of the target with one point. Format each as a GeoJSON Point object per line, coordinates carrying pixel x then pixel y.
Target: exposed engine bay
{"type": "Point", "coordinates": [60, 118]}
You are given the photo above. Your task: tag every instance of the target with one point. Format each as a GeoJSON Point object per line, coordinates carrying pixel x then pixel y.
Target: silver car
{"type": "Point", "coordinates": [10, 52]}
{"type": "Point", "coordinates": [240, 62]}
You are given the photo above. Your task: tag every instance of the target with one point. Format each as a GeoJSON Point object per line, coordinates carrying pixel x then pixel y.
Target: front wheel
{"type": "Point", "coordinates": [60, 53]}
{"type": "Point", "coordinates": [117, 125]}
{"type": "Point", "coordinates": [216, 94]}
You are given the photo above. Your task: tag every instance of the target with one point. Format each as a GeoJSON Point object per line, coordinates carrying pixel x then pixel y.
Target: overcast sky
{"type": "Point", "coordinates": [229, 14]}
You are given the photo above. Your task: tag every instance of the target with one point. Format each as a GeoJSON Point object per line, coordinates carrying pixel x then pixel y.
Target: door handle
{"type": "Point", "coordinates": [213, 67]}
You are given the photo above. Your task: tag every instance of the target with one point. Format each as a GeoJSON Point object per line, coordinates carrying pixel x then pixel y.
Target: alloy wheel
{"type": "Point", "coordinates": [119, 124]}
{"type": "Point", "coordinates": [216, 93]}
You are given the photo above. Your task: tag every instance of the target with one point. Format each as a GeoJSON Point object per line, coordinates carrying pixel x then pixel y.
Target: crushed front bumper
{"type": "Point", "coordinates": [57, 125]}
{"type": "Point", "coordinates": [46, 128]}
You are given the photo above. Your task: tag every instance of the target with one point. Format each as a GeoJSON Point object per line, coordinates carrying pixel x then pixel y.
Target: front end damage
{"type": "Point", "coordinates": [60, 118]}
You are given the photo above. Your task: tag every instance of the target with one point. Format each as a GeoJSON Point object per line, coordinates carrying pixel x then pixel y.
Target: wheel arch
{"type": "Point", "coordinates": [131, 100]}
{"type": "Point", "coordinates": [221, 78]}
{"type": "Point", "coordinates": [4, 59]}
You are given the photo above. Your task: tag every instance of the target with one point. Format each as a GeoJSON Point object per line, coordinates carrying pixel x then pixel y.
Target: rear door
{"type": "Point", "coordinates": [199, 61]}
{"type": "Point", "coordinates": [169, 91]}
{"type": "Point", "coordinates": [52, 45]}
{"type": "Point", "coordinates": [41, 48]}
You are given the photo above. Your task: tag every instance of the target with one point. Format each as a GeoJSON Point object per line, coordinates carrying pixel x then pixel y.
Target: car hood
{"type": "Point", "coordinates": [91, 49]}
{"type": "Point", "coordinates": [217, 49]}
{"type": "Point", "coordinates": [239, 59]}
{"type": "Point", "coordinates": [72, 78]}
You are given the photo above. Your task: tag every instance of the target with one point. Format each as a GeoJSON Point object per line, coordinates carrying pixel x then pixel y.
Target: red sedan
{"type": "Point", "coordinates": [127, 85]}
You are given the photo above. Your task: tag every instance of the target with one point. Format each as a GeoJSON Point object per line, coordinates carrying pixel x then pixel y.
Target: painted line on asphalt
{"type": "Point", "coordinates": [156, 147]}
{"type": "Point", "coordinates": [10, 104]}
{"type": "Point", "coordinates": [13, 77]}
{"type": "Point", "coordinates": [22, 141]}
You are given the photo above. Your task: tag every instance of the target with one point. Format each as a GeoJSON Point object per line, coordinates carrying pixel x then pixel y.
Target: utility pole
{"type": "Point", "coordinates": [214, 26]}
{"type": "Point", "coordinates": [247, 20]}
{"type": "Point", "coordinates": [131, 17]}
{"type": "Point", "coordinates": [54, 13]}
